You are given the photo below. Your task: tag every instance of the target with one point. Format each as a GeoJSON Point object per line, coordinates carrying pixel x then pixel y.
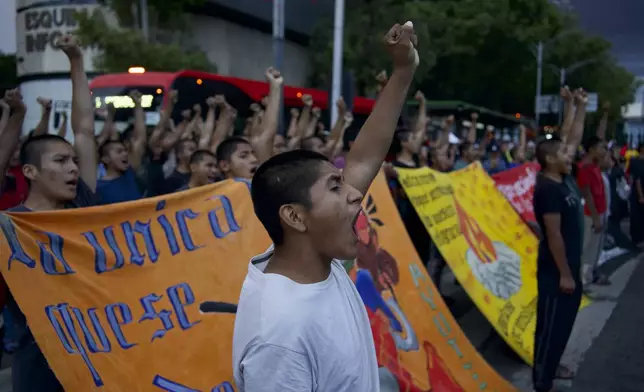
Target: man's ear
{"type": "Point", "coordinates": [30, 172]}
{"type": "Point", "coordinates": [223, 166]}
{"type": "Point", "coordinates": [294, 216]}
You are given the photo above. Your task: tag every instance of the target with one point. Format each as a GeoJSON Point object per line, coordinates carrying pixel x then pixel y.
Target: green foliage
{"type": "Point", "coordinates": [121, 48]}
{"type": "Point", "coordinates": [8, 73]}
{"type": "Point", "coordinates": [482, 52]}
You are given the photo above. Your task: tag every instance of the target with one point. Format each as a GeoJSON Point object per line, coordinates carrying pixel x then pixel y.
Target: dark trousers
{"type": "Point", "coordinates": [30, 371]}
{"type": "Point", "coordinates": [556, 313]}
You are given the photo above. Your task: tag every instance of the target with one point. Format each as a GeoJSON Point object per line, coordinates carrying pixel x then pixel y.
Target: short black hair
{"type": "Point", "coordinates": [284, 179]}
{"type": "Point", "coordinates": [33, 148]}
{"type": "Point", "coordinates": [199, 155]}
{"type": "Point", "coordinates": [227, 148]}
{"type": "Point", "coordinates": [104, 148]}
{"type": "Point", "coordinates": [307, 143]}
{"type": "Point", "coordinates": [546, 148]}
{"type": "Point", "coordinates": [592, 142]}
{"type": "Point", "coordinates": [463, 147]}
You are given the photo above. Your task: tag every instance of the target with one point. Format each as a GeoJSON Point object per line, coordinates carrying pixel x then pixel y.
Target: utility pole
{"type": "Point", "coordinates": [537, 98]}
{"type": "Point", "coordinates": [338, 40]}
{"type": "Point", "coordinates": [145, 28]}
{"type": "Point", "coordinates": [278, 51]}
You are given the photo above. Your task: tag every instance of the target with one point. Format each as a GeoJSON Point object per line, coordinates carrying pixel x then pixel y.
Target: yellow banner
{"type": "Point", "coordinates": [112, 293]}
{"type": "Point", "coordinates": [490, 249]}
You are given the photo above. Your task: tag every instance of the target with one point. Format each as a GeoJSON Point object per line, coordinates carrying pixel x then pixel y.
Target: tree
{"type": "Point", "coordinates": [477, 51]}
{"type": "Point", "coordinates": [124, 46]}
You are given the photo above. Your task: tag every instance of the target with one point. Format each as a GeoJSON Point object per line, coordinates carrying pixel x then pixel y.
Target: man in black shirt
{"type": "Point", "coordinates": [556, 208]}
{"type": "Point", "coordinates": [60, 176]}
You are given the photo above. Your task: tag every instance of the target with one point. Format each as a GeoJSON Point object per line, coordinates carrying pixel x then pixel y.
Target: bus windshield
{"type": "Point", "coordinates": [151, 100]}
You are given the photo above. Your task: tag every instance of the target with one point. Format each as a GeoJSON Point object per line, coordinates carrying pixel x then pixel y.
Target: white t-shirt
{"type": "Point", "coordinates": [292, 337]}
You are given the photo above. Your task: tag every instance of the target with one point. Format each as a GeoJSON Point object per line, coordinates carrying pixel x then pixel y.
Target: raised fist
{"type": "Point", "coordinates": [317, 112]}
{"type": "Point", "coordinates": [419, 96]}
{"type": "Point", "coordinates": [273, 77]}
{"type": "Point", "coordinates": [255, 108]}
{"type": "Point", "coordinates": [606, 106]}
{"type": "Point", "coordinates": [474, 116]}
{"type": "Point", "coordinates": [307, 100]}
{"type": "Point", "coordinates": [295, 113]}
{"type": "Point", "coordinates": [580, 96]}
{"type": "Point", "coordinates": [70, 45]}
{"type": "Point", "coordinates": [401, 42]}
{"type": "Point", "coordinates": [136, 97]}
{"type": "Point", "coordinates": [186, 114]}
{"type": "Point", "coordinates": [264, 102]}
{"type": "Point", "coordinates": [210, 101]}
{"type": "Point", "coordinates": [44, 102]}
{"type": "Point", "coordinates": [565, 93]}
{"type": "Point", "coordinates": [196, 108]}
{"type": "Point", "coordinates": [220, 100]}
{"type": "Point", "coordinates": [342, 106]}
{"type": "Point", "coordinates": [13, 98]}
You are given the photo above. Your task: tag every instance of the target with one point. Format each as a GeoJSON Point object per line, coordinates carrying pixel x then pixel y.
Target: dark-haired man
{"type": "Point", "coordinates": [119, 184]}
{"type": "Point", "coordinates": [236, 158]}
{"type": "Point", "coordinates": [59, 177]}
{"type": "Point", "coordinates": [13, 186]}
{"type": "Point", "coordinates": [591, 184]}
{"type": "Point", "coordinates": [203, 170]}
{"type": "Point", "coordinates": [181, 174]}
{"type": "Point", "coordinates": [301, 325]}
{"type": "Point", "coordinates": [556, 208]}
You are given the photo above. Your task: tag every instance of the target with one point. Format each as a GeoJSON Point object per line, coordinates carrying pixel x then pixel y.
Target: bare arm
{"type": "Point", "coordinates": [372, 144]}
{"type": "Point", "coordinates": [208, 126]}
{"type": "Point", "coordinates": [309, 131]}
{"type": "Point", "coordinates": [520, 152]}
{"type": "Point", "coordinates": [6, 111]}
{"type": "Point", "coordinates": [82, 111]}
{"type": "Point", "coordinates": [171, 138]}
{"type": "Point", "coordinates": [43, 125]}
{"type": "Point", "coordinates": [62, 130]}
{"type": "Point", "coordinates": [577, 132]}
{"type": "Point", "coordinates": [556, 243]}
{"type": "Point", "coordinates": [262, 141]}
{"type": "Point", "coordinates": [139, 136]}
{"type": "Point", "coordinates": [588, 197]}
{"type": "Point", "coordinates": [471, 133]}
{"type": "Point", "coordinates": [337, 133]}
{"type": "Point", "coordinates": [603, 123]}
{"type": "Point", "coordinates": [381, 79]}
{"type": "Point", "coordinates": [569, 113]}
{"type": "Point", "coordinates": [155, 141]}
{"type": "Point", "coordinates": [225, 120]}
{"type": "Point", "coordinates": [292, 126]}
{"type": "Point", "coordinates": [10, 133]}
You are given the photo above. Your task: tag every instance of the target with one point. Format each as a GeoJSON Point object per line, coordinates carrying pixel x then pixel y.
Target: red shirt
{"type": "Point", "coordinates": [14, 189]}
{"type": "Point", "coordinates": [589, 175]}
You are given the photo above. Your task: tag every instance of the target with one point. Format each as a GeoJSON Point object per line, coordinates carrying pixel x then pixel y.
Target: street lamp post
{"type": "Point", "coordinates": [338, 38]}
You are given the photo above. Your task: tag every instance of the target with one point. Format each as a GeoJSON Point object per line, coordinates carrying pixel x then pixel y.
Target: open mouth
{"type": "Point", "coordinates": [71, 183]}
{"type": "Point", "coordinates": [253, 170]}
{"type": "Point", "coordinates": [354, 222]}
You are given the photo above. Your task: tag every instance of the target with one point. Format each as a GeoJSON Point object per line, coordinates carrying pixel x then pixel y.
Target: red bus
{"type": "Point", "coordinates": [195, 86]}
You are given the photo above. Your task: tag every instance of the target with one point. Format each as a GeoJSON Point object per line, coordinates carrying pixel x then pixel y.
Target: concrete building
{"type": "Point", "coordinates": [234, 35]}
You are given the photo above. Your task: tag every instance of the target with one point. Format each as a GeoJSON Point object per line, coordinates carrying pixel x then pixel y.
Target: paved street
{"type": "Point", "coordinates": [615, 362]}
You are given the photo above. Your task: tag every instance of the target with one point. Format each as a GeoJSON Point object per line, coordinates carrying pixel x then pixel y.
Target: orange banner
{"type": "Point", "coordinates": [112, 294]}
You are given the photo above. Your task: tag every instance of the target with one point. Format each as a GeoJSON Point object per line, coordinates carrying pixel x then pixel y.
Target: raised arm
{"type": "Point", "coordinates": [337, 133]}
{"type": "Point", "coordinates": [569, 113]}
{"type": "Point", "coordinates": [155, 142]}
{"type": "Point", "coordinates": [262, 141]}
{"type": "Point", "coordinates": [10, 133]}
{"type": "Point", "coordinates": [171, 138]}
{"type": "Point", "coordinates": [372, 144]}
{"type": "Point", "coordinates": [62, 130]}
{"type": "Point", "coordinates": [139, 137]}
{"type": "Point", "coordinates": [471, 133]}
{"type": "Point", "coordinates": [5, 111]}
{"type": "Point", "coordinates": [225, 120]}
{"type": "Point", "coordinates": [82, 111]}
{"type": "Point", "coordinates": [577, 129]}
{"type": "Point", "coordinates": [45, 112]}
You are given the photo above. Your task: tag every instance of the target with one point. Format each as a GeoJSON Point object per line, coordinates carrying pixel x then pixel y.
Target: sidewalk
{"type": "Point", "coordinates": [615, 362]}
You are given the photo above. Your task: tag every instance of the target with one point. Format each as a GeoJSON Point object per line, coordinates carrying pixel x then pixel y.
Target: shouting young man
{"type": "Point", "coordinates": [301, 325]}
{"type": "Point", "coordinates": [60, 176]}
{"type": "Point", "coordinates": [203, 170]}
